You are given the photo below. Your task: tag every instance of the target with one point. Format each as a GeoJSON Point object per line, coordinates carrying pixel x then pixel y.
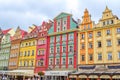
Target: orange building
{"type": "Point", "coordinates": [15, 48]}
{"type": "Point", "coordinates": [85, 42]}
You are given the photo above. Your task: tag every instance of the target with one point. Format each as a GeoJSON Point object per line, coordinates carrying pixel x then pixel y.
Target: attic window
{"type": "Point", "coordinates": [107, 15]}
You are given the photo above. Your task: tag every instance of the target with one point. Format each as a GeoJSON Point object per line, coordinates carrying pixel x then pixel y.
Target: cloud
{"type": "Point", "coordinates": [24, 13]}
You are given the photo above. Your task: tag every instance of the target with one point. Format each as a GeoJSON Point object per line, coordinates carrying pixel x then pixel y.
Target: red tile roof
{"type": "Point", "coordinates": [6, 31]}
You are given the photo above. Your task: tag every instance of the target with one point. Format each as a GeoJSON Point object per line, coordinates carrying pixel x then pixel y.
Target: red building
{"type": "Point", "coordinates": [41, 52]}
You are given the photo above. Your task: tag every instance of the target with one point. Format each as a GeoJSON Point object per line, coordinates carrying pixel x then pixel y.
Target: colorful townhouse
{"type": "Point", "coordinates": [15, 48]}
{"type": "Point", "coordinates": [41, 48]}
{"type": "Point", "coordinates": [5, 48]}
{"type": "Point", "coordinates": [1, 35]}
{"type": "Point", "coordinates": [105, 58]}
{"type": "Point", "coordinates": [28, 53]}
{"type": "Point", "coordinates": [62, 47]}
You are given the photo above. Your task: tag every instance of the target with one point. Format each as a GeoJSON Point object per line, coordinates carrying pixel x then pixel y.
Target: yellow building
{"type": "Point", "coordinates": [104, 51]}
{"type": "Point", "coordinates": [28, 53]}
{"type": "Point", "coordinates": [107, 39]}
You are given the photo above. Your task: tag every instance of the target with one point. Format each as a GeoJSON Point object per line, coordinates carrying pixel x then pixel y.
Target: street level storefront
{"type": "Point", "coordinates": [20, 74]}
{"type": "Point", "coordinates": [57, 75]}
{"type": "Point", "coordinates": [96, 72]}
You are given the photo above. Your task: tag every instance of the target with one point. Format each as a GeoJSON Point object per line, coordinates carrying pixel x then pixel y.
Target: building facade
{"type": "Point", "coordinates": [15, 48]}
{"type": "Point", "coordinates": [106, 41]}
{"type": "Point", "coordinates": [62, 47]}
{"type": "Point", "coordinates": [28, 53]}
{"type": "Point", "coordinates": [5, 48]}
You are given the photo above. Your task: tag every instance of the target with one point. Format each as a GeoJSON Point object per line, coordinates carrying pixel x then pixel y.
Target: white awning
{"type": "Point", "coordinates": [21, 72]}
{"type": "Point", "coordinates": [57, 73]}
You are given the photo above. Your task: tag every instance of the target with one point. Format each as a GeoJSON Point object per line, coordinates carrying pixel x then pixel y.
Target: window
{"type": "Point", "coordinates": [31, 63]}
{"type": "Point", "coordinates": [84, 27]}
{"type": "Point", "coordinates": [57, 38]}
{"type": "Point", "coordinates": [70, 48]}
{"type": "Point", "coordinates": [57, 61]}
{"type": "Point", "coordinates": [32, 52]}
{"type": "Point", "coordinates": [83, 57]}
{"type": "Point", "coordinates": [82, 36]}
{"type": "Point", "coordinates": [64, 49]}
{"type": "Point", "coordinates": [99, 56]}
{"type": "Point", "coordinates": [98, 33]}
{"type": "Point", "coordinates": [70, 36]}
{"type": "Point", "coordinates": [109, 43]}
{"type": "Point", "coordinates": [51, 61]}
{"type": "Point", "coordinates": [58, 29]}
{"type": "Point", "coordinates": [25, 53]}
{"type": "Point", "coordinates": [90, 35]}
{"type": "Point", "coordinates": [70, 61]}
{"type": "Point", "coordinates": [40, 63]}
{"type": "Point", "coordinates": [99, 44]}
{"type": "Point", "coordinates": [28, 53]}
{"type": "Point", "coordinates": [112, 21]}
{"type": "Point", "coordinates": [51, 39]}
{"type": "Point", "coordinates": [88, 26]}
{"type": "Point", "coordinates": [63, 37]}
{"type": "Point", "coordinates": [109, 56]}
{"type": "Point", "coordinates": [63, 61]}
{"type": "Point", "coordinates": [103, 23]}
{"type": "Point", "coordinates": [38, 52]}
{"type": "Point", "coordinates": [21, 53]}
{"type": "Point", "coordinates": [90, 57]}
{"type": "Point", "coordinates": [58, 50]}
{"type": "Point", "coordinates": [118, 41]}
{"type": "Point", "coordinates": [118, 30]}
{"type": "Point", "coordinates": [64, 28]}
{"type": "Point", "coordinates": [33, 42]}
{"type": "Point", "coordinates": [51, 50]}
{"type": "Point", "coordinates": [107, 22]}
{"type": "Point", "coordinates": [64, 22]}
{"type": "Point", "coordinates": [119, 55]}
{"type": "Point", "coordinates": [90, 45]}
{"type": "Point", "coordinates": [58, 23]}
{"type": "Point", "coordinates": [108, 32]}
{"type": "Point", "coordinates": [82, 45]}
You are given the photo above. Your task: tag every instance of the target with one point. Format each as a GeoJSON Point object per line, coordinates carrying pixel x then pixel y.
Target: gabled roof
{"type": "Point", "coordinates": [62, 13]}
{"type": "Point", "coordinates": [6, 31]}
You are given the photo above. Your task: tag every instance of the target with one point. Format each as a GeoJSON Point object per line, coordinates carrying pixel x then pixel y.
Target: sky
{"type": "Point", "coordinates": [25, 13]}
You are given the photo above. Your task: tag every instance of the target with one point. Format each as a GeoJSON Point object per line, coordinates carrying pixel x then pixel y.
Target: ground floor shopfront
{"type": "Point", "coordinates": [57, 75]}
{"type": "Point", "coordinates": [96, 72]}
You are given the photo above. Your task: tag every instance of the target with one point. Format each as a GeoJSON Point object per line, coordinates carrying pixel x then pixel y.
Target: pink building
{"type": "Point", "coordinates": [41, 52]}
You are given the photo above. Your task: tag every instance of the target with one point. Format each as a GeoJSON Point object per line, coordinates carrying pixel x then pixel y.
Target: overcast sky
{"type": "Point", "coordinates": [24, 13]}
